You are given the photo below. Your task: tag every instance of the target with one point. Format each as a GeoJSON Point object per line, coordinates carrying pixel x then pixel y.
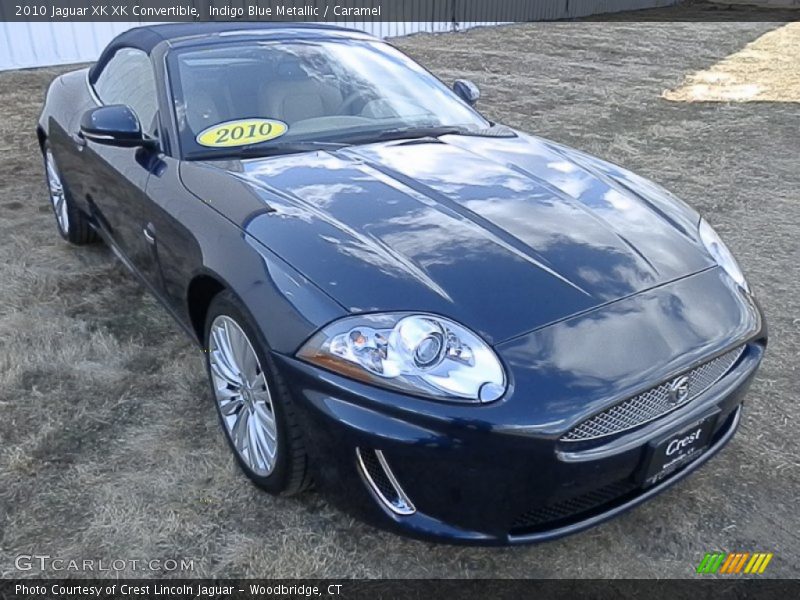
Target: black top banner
{"type": "Point", "coordinates": [343, 11]}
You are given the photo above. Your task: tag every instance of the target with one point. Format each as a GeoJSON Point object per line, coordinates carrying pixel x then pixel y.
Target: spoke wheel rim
{"type": "Point", "coordinates": [243, 396]}
{"type": "Point", "coordinates": [57, 197]}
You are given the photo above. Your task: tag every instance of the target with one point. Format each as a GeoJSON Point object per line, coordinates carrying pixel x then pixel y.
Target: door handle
{"type": "Point", "coordinates": [79, 140]}
{"type": "Point", "coordinates": [149, 233]}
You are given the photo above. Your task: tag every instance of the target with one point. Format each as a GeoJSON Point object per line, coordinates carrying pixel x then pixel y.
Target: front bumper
{"type": "Point", "coordinates": [499, 474]}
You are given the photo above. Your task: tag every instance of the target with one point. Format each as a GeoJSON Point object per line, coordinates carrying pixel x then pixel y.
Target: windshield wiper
{"type": "Point", "coordinates": [405, 133]}
{"type": "Point", "coordinates": [420, 132]}
{"type": "Point", "coordinates": [265, 149]}
{"type": "Point", "coordinates": [410, 133]}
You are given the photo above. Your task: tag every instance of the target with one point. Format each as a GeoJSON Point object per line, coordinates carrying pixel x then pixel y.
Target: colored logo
{"type": "Point", "coordinates": [241, 132]}
{"type": "Point", "coordinates": [734, 563]}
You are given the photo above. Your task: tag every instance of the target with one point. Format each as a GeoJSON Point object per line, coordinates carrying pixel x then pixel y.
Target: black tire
{"type": "Point", "coordinates": [78, 231]}
{"type": "Point", "coordinates": [291, 474]}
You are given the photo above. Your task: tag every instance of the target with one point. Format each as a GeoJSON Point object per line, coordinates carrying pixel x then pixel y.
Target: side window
{"type": "Point", "coordinates": [128, 79]}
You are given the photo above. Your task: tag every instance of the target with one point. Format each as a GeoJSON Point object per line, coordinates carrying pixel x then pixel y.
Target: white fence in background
{"type": "Point", "coordinates": [29, 44]}
{"type": "Point", "coordinates": [26, 45]}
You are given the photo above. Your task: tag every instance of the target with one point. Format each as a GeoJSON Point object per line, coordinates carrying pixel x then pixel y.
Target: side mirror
{"type": "Point", "coordinates": [467, 91]}
{"type": "Point", "coordinates": [115, 125]}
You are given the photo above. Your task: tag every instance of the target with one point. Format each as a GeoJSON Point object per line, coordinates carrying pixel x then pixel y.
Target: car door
{"type": "Point", "coordinates": [116, 190]}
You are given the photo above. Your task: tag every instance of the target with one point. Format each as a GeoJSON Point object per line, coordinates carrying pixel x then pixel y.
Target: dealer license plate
{"type": "Point", "coordinates": [670, 453]}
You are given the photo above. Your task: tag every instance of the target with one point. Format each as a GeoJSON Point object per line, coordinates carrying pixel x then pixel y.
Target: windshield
{"type": "Point", "coordinates": [274, 94]}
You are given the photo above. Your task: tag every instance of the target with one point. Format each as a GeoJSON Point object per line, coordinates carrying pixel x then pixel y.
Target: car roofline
{"type": "Point", "coordinates": [147, 38]}
{"type": "Point", "coordinates": [287, 34]}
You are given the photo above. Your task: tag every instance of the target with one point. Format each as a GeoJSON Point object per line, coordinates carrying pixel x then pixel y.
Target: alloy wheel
{"type": "Point", "coordinates": [57, 196]}
{"type": "Point", "coordinates": [243, 395]}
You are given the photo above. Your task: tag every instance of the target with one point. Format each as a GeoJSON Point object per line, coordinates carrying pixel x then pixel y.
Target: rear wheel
{"type": "Point", "coordinates": [72, 224]}
{"type": "Point", "coordinates": [253, 403]}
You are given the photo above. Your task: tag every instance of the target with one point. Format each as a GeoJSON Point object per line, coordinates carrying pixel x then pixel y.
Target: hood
{"type": "Point", "coordinates": [504, 235]}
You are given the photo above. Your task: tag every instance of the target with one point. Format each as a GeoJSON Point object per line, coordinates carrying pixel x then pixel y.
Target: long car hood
{"type": "Point", "coordinates": [502, 234]}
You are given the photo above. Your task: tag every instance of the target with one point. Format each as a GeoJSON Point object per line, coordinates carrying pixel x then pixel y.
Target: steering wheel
{"type": "Point", "coordinates": [354, 96]}
{"type": "Point", "coordinates": [349, 100]}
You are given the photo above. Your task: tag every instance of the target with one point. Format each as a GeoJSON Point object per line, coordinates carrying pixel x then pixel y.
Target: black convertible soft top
{"type": "Point", "coordinates": [147, 37]}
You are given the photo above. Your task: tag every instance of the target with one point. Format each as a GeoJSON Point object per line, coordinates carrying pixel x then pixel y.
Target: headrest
{"type": "Point", "coordinates": [290, 68]}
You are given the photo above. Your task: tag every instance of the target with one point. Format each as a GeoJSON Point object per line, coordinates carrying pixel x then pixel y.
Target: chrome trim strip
{"type": "Point", "coordinates": [174, 135]}
{"type": "Point", "coordinates": [92, 92]}
{"type": "Point", "coordinates": [406, 507]}
{"type": "Point", "coordinates": [97, 136]}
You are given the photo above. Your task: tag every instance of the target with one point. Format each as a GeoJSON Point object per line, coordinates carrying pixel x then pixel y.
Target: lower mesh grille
{"type": "Point", "coordinates": [379, 477]}
{"type": "Point", "coordinates": [655, 402]}
{"type": "Point", "coordinates": [594, 502]}
{"type": "Point", "coordinates": [570, 508]}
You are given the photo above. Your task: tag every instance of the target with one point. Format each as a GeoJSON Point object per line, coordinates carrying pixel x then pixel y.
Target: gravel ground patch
{"type": "Point", "coordinates": [110, 446]}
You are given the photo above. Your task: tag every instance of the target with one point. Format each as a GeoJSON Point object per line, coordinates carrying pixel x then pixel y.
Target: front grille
{"type": "Point", "coordinates": [653, 403]}
{"type": "Point", "coordinates": [549, 517]}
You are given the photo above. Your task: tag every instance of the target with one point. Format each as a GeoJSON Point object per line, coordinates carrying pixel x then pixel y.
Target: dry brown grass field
{"type": "Point", "coordinates": [109, 445]}
{"type": "Point", "coordinates": [766, 70]}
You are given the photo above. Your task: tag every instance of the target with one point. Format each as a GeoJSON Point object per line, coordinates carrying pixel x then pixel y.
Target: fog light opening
{"type": "Point", "coordinates": [380, 478]}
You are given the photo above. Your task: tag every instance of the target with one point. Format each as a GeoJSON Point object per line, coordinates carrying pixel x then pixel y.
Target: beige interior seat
{"type": "Point", "coordinates": [201, 109]}
{"type": "Point", "coordinates": [294, 95]}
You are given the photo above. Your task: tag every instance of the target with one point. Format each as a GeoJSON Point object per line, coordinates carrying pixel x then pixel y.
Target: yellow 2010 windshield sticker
{"type": "Point", "coordinates": [241, 132]}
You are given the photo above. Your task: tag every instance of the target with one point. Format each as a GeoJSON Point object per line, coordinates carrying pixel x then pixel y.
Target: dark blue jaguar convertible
{"type": "Point", "coordinates": [457, 330]}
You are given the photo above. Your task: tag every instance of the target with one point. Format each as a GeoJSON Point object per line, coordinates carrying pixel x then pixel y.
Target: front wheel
{"type": "Point", "coordinates": [72, 224]}
{"type": "Point", "coordinates": [253, 403]}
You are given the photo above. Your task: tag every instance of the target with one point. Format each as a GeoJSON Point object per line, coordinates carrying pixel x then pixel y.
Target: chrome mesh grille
{"type": "Point", "coordinates": [653, 403]}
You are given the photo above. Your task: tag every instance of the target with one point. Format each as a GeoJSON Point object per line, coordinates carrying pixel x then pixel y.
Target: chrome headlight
{"type": "Point", "coordinates": [719, 251]}
{"type": "Point", "coordinates": [417, 353]}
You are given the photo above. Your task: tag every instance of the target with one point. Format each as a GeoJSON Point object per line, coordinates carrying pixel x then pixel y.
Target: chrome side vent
{"type": "Point", "coordinates": [379, 477]}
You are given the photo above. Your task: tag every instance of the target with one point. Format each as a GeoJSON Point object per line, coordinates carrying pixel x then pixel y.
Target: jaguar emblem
{"type": "Point", "coordinates": [678, 390]}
